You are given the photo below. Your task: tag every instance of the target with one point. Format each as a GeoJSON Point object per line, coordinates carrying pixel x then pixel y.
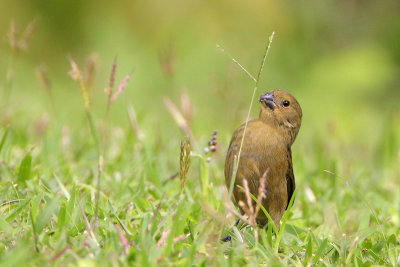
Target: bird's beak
{"type": "Point", "coordinates": [268, 100]}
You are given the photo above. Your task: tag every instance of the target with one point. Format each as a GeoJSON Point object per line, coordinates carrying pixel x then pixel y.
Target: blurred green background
{"type": "Point", "coordinates": [341, 59]}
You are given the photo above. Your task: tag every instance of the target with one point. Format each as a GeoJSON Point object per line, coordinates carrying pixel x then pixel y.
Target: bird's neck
{"type": "Point", "coordinates": [287, 132]}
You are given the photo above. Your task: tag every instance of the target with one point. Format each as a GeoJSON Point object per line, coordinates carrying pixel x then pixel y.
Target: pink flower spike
{"type": "Point", "coordinates": [112, 77]}
{"type": "Point", "coordinates": [121, 88]}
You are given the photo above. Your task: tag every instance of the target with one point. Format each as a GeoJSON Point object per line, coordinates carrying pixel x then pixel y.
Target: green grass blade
{"type": "Point", "coordinates": [4, 138]}
{"type": "Point", "coordinates": [45, 214]}
{"type": "Point", "coordinates": [25, 169]}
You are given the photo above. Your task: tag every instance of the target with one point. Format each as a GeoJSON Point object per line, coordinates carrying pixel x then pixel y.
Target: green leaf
{"type": "Point", "coordinates": [269, 232]}
{"type": "Point", "coordinates": [284, 220]}
{"type": "Point", "coordinates": [309, 249]}
{"type": "Point", "coordinates": [25, 169]}
{"type": "Point", "coordinates": [62, 187]}
{"type": "Point", "coordinates": [119, 220]}
{"type": "Point", "coordinates": [391, 240]}
{"type": "Point", "coordinates": [61, 218]}
{"type": "Point", "coordinates": [320, 250]}
{"type": "Point", "coordinates": [71, 204]}
{"type": "Point", "coordinates": [45, 214]}
{"type": "Point", "coordinates": [4, 138]}
{"type": "Point", "coordinates": [15, 212]}
{"type": "Point", "coordinates": [376, 257]}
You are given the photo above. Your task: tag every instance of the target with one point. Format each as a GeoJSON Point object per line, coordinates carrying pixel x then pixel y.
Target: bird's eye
{"type": "Point", "coordinates": [286, 103]}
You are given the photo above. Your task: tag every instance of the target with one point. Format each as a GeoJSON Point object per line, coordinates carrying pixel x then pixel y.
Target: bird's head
{"type": "Point", "coordinates": [282, 109]}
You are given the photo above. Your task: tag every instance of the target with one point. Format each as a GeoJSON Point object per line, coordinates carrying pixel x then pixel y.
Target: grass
{"type": "Point", "coordinates": [129, 199]}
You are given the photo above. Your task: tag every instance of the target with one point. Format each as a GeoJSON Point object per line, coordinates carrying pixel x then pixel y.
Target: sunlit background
{"type": "Point", "coordinates": [341, 59]}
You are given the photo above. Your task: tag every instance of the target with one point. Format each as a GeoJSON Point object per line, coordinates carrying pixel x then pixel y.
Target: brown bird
{"type": "Point", "coordinates": [266, 149]}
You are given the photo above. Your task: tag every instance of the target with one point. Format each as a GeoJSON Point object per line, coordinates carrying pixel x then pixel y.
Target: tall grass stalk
{"type": "Point", "coordinates": [18, 43]}
{"type": "Point", "coordinates": [76, 74]}
{"type": "Point", "coordinates": [256, 81]}
{"type": "Point", "coordinates": [111, 97]}
{"type": "Point", "coordinates": [252, 100]}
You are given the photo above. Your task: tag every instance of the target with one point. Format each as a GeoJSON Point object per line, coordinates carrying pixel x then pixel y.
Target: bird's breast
{"type": "Point", "coordinates": [262, 149]}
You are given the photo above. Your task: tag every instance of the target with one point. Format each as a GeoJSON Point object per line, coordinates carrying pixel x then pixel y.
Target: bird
{"type": "Point", "coordinates": [266, 150]}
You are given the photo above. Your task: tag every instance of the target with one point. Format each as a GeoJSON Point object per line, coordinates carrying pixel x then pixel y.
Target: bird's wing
{"type": "Point", "coordinates": [249, 157]}
{"type": "Point", "coordinates": [247, 152]}
{"type": "Point", "coordinates": [291, 185]}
